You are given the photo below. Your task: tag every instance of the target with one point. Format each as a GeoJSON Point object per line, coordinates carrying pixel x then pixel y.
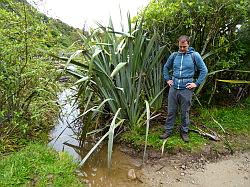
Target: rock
{"type": "Point", "coordinates": [178, 180]}
{"type": "Point", "coordinates": [63, 79]}
{"type": "Point", "coordinates": [183, 167]}
{"type": "Point", "coordinates": [131, 174]}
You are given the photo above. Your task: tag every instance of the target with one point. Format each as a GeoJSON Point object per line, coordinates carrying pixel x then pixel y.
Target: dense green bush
{"type": "Point", "coordinates": [28, 89]}
{"type": "Point", "coordinates": [218, 30]}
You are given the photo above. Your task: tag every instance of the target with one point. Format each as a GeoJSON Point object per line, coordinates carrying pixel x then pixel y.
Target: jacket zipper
{"type": "Point", "coordinates": [179, 80]}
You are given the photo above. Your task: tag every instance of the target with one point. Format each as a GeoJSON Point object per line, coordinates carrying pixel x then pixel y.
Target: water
{"type": "Point", "coordinates": [63, 131]}
{"type": "Point", "coordinates": [94, 171]}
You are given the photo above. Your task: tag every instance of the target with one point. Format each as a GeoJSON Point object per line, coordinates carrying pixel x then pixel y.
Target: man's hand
{"type": "Point", "coordinates": [191, 85]}
{"type": "Point", "coordinates": [170, 83]}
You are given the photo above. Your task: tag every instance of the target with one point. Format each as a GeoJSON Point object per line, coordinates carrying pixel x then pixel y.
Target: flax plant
{"type": "Point", "coordinates": [123, 68]}
{"type": "Point", "coordinates": [119, 71]}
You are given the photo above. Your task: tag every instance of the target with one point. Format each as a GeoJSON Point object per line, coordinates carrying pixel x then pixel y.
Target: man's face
{"type": "Point", "coordinates": [183, 46]}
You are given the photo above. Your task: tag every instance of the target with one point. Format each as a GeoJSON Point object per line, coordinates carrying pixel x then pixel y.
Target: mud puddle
{"type": "Point", "coordinates": [122, 173]}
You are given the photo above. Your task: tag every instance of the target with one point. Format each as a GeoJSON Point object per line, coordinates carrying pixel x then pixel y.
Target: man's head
{"type": "Point", "coordinates": [183, 43]}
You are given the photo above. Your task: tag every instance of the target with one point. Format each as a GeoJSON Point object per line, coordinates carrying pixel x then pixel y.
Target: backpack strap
{"type": "Point", "coordinates": [175, 54]}
{"type": "Point", "coordinates": [193, 58]}
{"type": "Point", "coordinates": [195, 65]}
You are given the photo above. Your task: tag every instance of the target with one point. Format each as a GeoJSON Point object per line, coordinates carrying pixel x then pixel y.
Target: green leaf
{"type": "Point", "coordinates": [93, 148]}
{"type": "Point", "coordinates": [83, 79]}
{"type": "Point", "coordinates": [117, 68]}
{"type": "Point", "coordinates": [111, 137]}
{"type": "Point", "coordinates": [147, 129]}
{"type": "Point", "coordinates": [73, 56]}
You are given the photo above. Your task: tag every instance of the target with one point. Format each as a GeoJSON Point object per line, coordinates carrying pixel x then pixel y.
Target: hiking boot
{"type": "Point", "coordinates": [165, 135]}
{"type": "Point", "coordinates": [184, 136]}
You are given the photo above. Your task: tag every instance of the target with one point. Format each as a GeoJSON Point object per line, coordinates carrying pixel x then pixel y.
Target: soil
{"type": "Point", "coordinates": [185, 170]}
{"type": "Point", "coordinates": [206, 168]}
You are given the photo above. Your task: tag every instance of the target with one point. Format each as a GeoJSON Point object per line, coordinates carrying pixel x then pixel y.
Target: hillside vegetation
{"type": "Point", "coordinates": [28, 88]}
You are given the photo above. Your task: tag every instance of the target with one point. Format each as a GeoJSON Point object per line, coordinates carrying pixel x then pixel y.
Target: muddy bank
{"type": "Point", "coordinates": [206, 168]}
{"type": "Point", "coordinates": [181, 170]}
{"type": "Point", "coordinates": [168, 170]}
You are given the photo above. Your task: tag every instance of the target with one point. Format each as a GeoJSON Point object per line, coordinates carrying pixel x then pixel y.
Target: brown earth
{"type": "Point", "coordinates": [205, 169]}
{"type": "Point", "coordinates": [181, 170]}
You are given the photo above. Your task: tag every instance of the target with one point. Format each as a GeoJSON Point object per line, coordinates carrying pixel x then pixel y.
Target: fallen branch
{"type": "Point", "coordinates": [205, 134]}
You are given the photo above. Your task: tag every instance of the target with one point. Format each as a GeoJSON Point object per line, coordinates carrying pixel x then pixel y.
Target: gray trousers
{"type": "Point", "coordinates": [176, 99]}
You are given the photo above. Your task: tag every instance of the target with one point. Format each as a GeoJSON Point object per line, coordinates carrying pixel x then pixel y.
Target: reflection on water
{"type": "Point", "coordinates": [63, 131]}
{"type": "Point", "coordinates": [94, 171]}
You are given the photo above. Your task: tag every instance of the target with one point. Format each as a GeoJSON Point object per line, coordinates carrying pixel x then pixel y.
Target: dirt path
{"type": "Point", "coordinates": [227, 171]}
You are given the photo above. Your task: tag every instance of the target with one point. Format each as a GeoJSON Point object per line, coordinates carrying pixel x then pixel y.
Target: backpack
{"type": "Point", "coordinates": [196, 70]}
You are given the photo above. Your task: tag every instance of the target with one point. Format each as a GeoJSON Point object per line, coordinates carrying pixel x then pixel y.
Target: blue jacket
{"type": "Point", "coordinates": [183, 68]}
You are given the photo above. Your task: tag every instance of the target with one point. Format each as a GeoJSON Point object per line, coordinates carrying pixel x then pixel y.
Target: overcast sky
{"type": "Point", "coordinates": [78, 13]}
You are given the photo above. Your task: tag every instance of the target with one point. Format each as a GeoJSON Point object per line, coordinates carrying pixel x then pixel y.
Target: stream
{"type": "Point", "coordinates": [94, 171]}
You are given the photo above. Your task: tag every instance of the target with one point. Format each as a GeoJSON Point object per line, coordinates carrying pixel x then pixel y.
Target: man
{"type": "Point", "coordinates": [181, 83]}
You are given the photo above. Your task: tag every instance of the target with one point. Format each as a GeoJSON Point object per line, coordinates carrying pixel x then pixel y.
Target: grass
{"type": "Point", "coordinates": [235, 121]}
{"type": "Point", "coordinates": [37, 165]}
{"type": "Point", "coordinates": [174, 143]}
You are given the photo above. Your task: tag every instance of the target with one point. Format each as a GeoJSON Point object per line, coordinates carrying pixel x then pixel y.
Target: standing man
{"type": "Point", "coordinates": [182, 84]}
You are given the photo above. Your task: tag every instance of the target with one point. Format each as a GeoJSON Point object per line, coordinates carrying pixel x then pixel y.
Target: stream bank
{"type": "Point", "coordinates": [180, 169]}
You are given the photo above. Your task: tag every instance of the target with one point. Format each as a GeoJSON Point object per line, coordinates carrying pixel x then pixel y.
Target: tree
{"type": "Point", "coordinates": [214, 28]}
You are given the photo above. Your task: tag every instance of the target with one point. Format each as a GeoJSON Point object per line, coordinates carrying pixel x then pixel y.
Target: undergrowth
{"type": "Point", "coordinates": [235, 121]}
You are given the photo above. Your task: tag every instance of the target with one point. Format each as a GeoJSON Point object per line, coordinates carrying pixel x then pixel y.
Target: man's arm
{"type": "Point", "coordinates": [201, 66]}
{"type": "Point", "coordinates": [167, 66]}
